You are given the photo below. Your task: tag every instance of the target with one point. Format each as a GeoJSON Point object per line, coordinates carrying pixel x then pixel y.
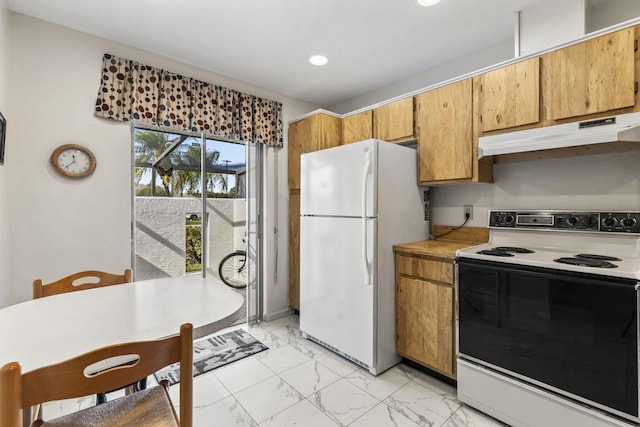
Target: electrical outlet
{"type": "Point", "coordinates": [468, 209]}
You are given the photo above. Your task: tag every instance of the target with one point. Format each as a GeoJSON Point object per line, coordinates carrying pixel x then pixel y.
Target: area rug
{"type": "Point", "coordinates": [214, 351]}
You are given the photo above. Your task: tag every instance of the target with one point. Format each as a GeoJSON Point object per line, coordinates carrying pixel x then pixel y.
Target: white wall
{"type": "Point", "coordinates": [4, 200]}
{"type": "Point", "coordinates": [611, 12]}
{"type": "Point", "coordinates": [550, 24]}
{"type": "Point", "coordinates": [61, 226]}
{"type": "Point", "coordinates": [452, 69]}
{"type": "Point", "coordinates": [598, 182]}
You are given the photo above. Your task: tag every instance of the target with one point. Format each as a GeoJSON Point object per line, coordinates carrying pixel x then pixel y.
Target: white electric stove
{"type": "Point", "coordinates": [547, 319]}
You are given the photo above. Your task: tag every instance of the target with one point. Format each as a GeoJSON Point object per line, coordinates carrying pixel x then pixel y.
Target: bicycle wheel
{"type": "Point", "coordinates": [233, 270]}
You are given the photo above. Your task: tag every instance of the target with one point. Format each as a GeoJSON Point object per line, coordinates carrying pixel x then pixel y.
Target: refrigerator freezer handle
{"type": "Point", "coordinates": [365, 176]}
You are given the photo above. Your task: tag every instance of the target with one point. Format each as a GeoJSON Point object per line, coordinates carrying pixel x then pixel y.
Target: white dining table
{"type": "Point", "coordinates": [48, 330]}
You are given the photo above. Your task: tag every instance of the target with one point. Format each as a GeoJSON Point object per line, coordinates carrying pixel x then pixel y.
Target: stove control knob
{"type": "Point", "coordinates": [508, 219]}
{"type": "Point", "coordinates": [573, 221]}
{"type": "Point", "coordinates": [610, 221]}
{"type": "Point", "coordinates": [590, 221]}
{"type": "Point", "coordinates": [628, 223]}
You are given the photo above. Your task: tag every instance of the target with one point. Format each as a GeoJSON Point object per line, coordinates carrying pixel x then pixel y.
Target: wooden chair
{"type": "Point", "coordinates": [74, 378]}
{"type": "Point", "coordinates": [79, 281]}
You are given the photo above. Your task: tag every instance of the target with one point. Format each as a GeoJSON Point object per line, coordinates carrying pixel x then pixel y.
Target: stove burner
{"type": "Point", "coordinates": [586, 262]}
{"type": "Point", "coordinates": [494, 252]}
{"type": "Point", "coordinates": [598, 257]}
{"type": "Point", "coordinates": [514, 249]}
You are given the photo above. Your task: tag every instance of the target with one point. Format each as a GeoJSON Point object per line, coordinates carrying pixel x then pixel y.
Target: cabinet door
{"type": "Point", "coordinates": [313, 133]}
{"type": "Point", "coordinates": [394, 122]}
{"type": "Point", "coordinates": [590, 77]}
{"type": "Point", "coordinates": [357, 127]}
{"type": "Point", "coordinates": [445, 141]}
{"type": "Point", "coordinates": [424, 323]}
{"type": "Point", "coordinates": [294, 250]}
{"type": "Point", "coordinates": [510, 96]}
{"type": "Point", "coordinates": [327, 131]}
{"type": "Point", "coordinates": [294, 151]}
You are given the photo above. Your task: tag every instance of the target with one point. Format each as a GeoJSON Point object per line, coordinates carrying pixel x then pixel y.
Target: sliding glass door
{"type": "Point", "coordinates": [255, 155]}
{"type": "Point", "coordinates": [195, 201]}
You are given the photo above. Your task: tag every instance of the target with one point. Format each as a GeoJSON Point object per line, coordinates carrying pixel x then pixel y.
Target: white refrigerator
{"type": "Point", "coordinates": [356, 202]}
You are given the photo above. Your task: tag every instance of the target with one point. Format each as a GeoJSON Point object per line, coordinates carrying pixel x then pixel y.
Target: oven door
{"type": "Point", "coordinates": [574, 334]}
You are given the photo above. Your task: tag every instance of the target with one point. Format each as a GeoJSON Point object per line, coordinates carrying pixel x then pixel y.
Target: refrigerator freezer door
{"type": "Point", "coordinates": [337, 296]}
{"type": "Point", "coordinates": [340, 181]}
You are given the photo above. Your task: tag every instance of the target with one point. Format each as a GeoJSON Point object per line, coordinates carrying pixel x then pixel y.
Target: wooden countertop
{"type": "Point", "coordinates": [446, 246]}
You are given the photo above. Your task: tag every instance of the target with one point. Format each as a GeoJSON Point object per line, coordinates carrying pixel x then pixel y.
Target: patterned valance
{"type": "Point", "coordinates": [129, 90]}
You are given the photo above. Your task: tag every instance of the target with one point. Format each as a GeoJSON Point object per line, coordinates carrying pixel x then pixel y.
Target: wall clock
{"type": "Point", "coordinates": [73, 161]}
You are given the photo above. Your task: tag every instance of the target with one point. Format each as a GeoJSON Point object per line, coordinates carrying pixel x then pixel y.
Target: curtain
{"type": "Point", "coordinates": [129, 90]}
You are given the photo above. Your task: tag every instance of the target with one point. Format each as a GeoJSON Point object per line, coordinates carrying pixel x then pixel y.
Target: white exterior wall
{"type": "Point", "coordinates": [161, 233]}
{"type": "Point", "coordinates": [60, 226]}
{"type": "Point", "coordinates": [5, 292]}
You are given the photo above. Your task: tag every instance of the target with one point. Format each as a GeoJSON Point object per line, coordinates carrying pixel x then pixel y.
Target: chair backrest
{"type": "Point", "coordinates": [70, 379]}
{"type": "Point", "coordinates": [79, 281]}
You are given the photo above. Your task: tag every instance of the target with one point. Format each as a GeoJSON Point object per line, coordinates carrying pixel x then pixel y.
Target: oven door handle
{"type": "Point", "coordinates": [591, 279]}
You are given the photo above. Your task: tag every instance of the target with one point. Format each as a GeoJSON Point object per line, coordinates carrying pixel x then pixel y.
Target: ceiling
{"type": "Point", "coordinates": [267, 43]}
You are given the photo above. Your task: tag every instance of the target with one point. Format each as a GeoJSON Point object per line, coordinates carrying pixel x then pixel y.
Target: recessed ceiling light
{"type": "Point", "coordinates": [318, 60]}
{"type": "Point", "coordinates": [428, 2]}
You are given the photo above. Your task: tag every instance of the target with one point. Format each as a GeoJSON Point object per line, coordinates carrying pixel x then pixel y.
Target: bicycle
{"type": "Point", "coordinates": [233, 269]}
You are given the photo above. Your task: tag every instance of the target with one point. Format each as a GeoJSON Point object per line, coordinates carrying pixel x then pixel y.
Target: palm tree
{"type": "Point", "coordinates": [186, 180]}
{"type": "Point", "coordinates": [213, 178]}
{"type": "Point", "coordinates": [181, 178]}
{"type": "Point", "coordinates": [149, 145]}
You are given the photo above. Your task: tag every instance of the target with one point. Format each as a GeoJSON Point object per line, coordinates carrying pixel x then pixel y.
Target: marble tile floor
{"type": "Point", "coordinates": [299, 383]}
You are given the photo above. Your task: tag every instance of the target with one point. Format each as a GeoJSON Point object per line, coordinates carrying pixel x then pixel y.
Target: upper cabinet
{"type": "Point", "coordinates": [591, 77]}
{"type": "Point", "coordinates": [510, 96]}
{"type": "Point", "coordinates": [294, 144]}
{"type": "Point", "coordinates": [395, 121]}
{"type": "Point", "coordinates": [445, 133]}
{"type": "Point", "coordinates": [357, 127]}
{"type": "Point", "coordinates": [313, 133]}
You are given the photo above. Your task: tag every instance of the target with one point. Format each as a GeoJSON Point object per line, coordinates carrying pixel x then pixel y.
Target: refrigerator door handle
{"type": "Point", "coordinates": [365, 176]}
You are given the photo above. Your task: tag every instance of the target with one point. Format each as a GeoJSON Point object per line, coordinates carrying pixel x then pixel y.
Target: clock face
{"type": "Point", "coordinates": [73, 161]}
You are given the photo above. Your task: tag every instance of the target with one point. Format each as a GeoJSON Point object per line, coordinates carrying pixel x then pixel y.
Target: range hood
{"type": "Point", "coordinates": [622, 128]}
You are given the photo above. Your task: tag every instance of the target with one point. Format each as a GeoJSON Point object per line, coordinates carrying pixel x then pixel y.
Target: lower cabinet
{"type": "Point", "coordinates": [425, 312]}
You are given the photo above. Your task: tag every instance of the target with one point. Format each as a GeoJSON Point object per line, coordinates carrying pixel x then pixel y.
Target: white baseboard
{"type": "Point", "coordinates": [268, 317]}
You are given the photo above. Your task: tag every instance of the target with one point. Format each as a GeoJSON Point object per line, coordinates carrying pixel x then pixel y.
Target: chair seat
{"type": "Point", "coordinates": [150, 407]}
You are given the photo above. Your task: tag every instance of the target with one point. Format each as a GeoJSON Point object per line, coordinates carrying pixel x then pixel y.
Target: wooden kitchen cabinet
{"type": "Point", "coordinates": [395, 121]}
{"type": "Point", "coordinates": [294, 249]}
{"type": "Point", "coordinates": [312, 133]}
{"type": "Point", "coordinates": [510, 96]}
{"type": "Point", "coordinates": [294, 145]}
{"type": "Point", "coordinates": [446, 146]}
{"type": "Point", "coordinates": [593, 76]}
{"type": "Point", "coordinates": [357, 127]}
{"type": "Point", "coordinates": [425, 310]}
